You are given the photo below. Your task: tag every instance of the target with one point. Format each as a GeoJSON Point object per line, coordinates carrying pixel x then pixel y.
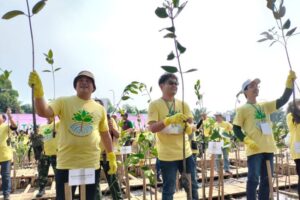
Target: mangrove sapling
{"type": "Point", "coordinates": [171, 9]}
{"type": "Point", "coordinates": [36, 138]}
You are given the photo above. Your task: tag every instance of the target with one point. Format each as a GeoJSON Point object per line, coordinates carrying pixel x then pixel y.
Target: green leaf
{"type": "Point", "coordinates": [12, 14]}
{"type": "Point", "coordinates": [46, 70]}
{"type": "Point", "coordinates": [134, 82]}
{"type": "Point", "coordinates": [170, 35]}
{"type": "Point", "coordinates": [46, 55]}
{"type": "Point", "coordinates": [181, 48]}
{"type": "Point", "coordinates": [176, 3]}
{"type": "Point", "coordinates": [191, 70]}
{"type": "Point", "coordinates": [287, 24]}
{"type": "Point", "coordinates": [161, 12]}
{"type": "Point", "coordinates": [50, 54]}
{"type": "Point", "coordinates": [171, 29]}
{"type": "Point", "coordinates": [170, 69]}
{"type": "Point", "coordinates": [171, 56]}
{"type": "Point", "coordinates": [57, 69]}
{"type": "Point", "coordinates": [272, 43]}
{"type": "Point", "coordinates": [262, 40]}
{"type": "Point", "coordinates": [38, 6]}
{"type": "Point", "coordinates": [270, 4]}
{"type": "Point", "coordinates": [180, 8]}
{"type": "Point", "coordinates": [290, 32]}
{"type": "Point", "coordinates": [124, 98]}
{"type": "Point", "coordinates": [150, 90]}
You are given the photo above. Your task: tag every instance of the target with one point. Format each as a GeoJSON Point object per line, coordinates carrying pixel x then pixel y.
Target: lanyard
{"type": "Point", "coordinates": [259, 114]}
{"type": "Point", "coordinates": [171, 107]}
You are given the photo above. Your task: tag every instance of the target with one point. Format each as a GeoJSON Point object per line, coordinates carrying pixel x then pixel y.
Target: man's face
{"type": "Point", "coordinates": [219, 118]}
{"type": "Point", "coordinates": [252, 90]}
{"type": "Point", "coordinates": [170, 86]}
{"type": "Point", "coordinates": [84, 85]}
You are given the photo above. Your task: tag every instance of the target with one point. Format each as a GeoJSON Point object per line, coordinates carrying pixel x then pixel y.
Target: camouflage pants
{"type": "Point", "coordinates": [43, 169]}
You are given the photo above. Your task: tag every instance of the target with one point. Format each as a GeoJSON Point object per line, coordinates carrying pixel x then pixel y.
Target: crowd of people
{"type": "Point", "coordinates": [80, 135]}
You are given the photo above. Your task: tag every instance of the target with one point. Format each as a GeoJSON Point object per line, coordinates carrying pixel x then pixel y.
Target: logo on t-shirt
{"type": "Point", "coordinates": [82, 125]}
{"type": "Point", "coordinates": [47, 134]}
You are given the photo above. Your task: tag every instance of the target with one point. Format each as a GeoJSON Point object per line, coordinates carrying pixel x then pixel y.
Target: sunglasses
{"type": "Point", "coordinates": [172, 83]}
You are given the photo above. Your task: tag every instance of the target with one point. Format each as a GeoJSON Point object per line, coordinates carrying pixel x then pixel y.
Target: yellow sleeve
{"type": "Point", "coordinates": [239, 118]}
{"type": "Point", "coordinates": [103, 124]}
{"type": "Point", "coordinates": [289, 121]}
{"type": "Point", "coordinates": [269, 107]}
{"type": "Point", "coordinates": [188, 111]}
{"type": "Point", "coordinates": [152, 113]}
{"type": "Point", "coordinates": [56, 106]}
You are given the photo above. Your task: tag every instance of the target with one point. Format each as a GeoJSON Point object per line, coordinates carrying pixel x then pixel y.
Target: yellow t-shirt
{"type": "Point", "coordinates": [50, 143]}
{"type": "Point", "coordinates": [78, 135]}
{"type": "Point", "coordinates": [294, 136]}
{"type": "Point", "coordinates": [169, 146]}
{"type": "Point", "coordinates": [227, 127]}
{"type": "Point", "coordinates": [206, 128]}
{"type": "Point", "coordinates": [5, 151]}
{"type": "Point", "coordinates": [245, 118]}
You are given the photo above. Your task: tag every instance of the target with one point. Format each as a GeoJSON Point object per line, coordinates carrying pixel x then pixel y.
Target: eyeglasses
{"type": "Point", "coordinates": [173, 83]}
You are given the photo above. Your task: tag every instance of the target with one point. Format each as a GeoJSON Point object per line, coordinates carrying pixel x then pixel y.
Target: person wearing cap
{"type": "Point", "coordinates": [254, 119]}
{"type": "Point", "coordinates": [6, 152]}
{"type": "Point", "coordinates": [227, 128]}
{"type": "Point", "coordinates": [126, 123]}
{"type": "Point", "coordinates": [48, 156]}
{"type": "Point", "coordinates": [83, 123]}
{"type": "Point", "coordinates": [167, 118]}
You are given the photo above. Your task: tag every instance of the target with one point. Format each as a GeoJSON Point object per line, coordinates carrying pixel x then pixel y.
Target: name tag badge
{"type": "Point", "coordinates": [81, 176]}
{"type": "Point", "coordinates": [265, 128]}
{"type": "Point", "coordinates": [297, 147]}
{"type": "Point", "coordinates": [173, 129]}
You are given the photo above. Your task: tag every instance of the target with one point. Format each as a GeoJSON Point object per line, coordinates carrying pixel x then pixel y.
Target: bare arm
{"type": "Point", "coordinates": [106, 141]}
{"type": "Point", "coordinates": [112, 130]}
{"type": "Point", "coordinates": [42, 108]}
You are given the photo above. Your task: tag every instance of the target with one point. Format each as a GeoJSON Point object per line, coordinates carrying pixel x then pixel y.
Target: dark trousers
{"type": "Point", "coordinates": [62, 176]}
{"type": "Point", "coordinates": [297, 161]}
{"type": "Point", "coordinates": [5, 174]}
{"type": "Point", "coordinates": [113, 183]}
{"type": "Point", "coordinates": [43, 169]}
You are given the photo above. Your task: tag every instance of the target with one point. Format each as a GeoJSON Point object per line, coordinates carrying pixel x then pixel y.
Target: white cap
{"type": "Point", "coordinates": [246, 83]}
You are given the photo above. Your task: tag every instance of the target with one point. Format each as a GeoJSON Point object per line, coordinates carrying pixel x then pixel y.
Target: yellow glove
{"type": "Point", "coordinates": [111, 157]}
{"type": "Point", "coordinates": [290, 79]}
{"type": "Point", "coordinates": [175, 119]}
{"type": "Point", "coordinates": [251, 144]}
{"type": "Point", "coordinates": [189, 129]}
{"type": "Point", "coordinates": [35, 82]}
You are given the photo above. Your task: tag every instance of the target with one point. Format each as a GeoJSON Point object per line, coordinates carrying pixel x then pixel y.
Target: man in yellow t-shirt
{"type": "Point", "coordinates": [6, 152]}
{"type": "Point", "coordinates": [48, 156]}
{"type": "Point", "coordinates": [254, 119]}
{"type": "Point", "coordinates": [82, 122]}
{"type": "Point", "coordinates": [167, 118]}
{"type": "Point", "coordinates": [226, 127]}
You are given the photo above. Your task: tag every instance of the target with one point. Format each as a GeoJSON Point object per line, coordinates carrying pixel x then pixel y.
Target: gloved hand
{"type": "Point", "coordinates": [111, 157]}
{"type": "Point", "coordinates": [290, 79]}
{"type": "Point", "coordinates": [35, 80]}
{"type": "Point", "coordinates": [178, 118]}
{"type": "Point", "coordinates": [189, 128]}
{"type": "Point", "coordinates": [251, 144]}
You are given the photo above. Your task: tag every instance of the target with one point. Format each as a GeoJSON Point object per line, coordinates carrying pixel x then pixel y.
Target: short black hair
{"type": "Point", "coordinates": [163, 78]}
{"type": "Point", "coordinates": [3, 116]}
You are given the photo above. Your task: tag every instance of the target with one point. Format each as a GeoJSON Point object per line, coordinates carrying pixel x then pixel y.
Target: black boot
{"type": "Point", "coordinates": [41, 192]}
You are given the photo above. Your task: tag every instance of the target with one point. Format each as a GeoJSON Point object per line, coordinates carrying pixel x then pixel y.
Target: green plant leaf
{"type": "Point", "coordinates": [180, 8]}
{"type": "Point", "coordinates": [12, 14]}
{"type": "Point", "coordinates": [171, 29]}
{"type": "Point", "coordinates": [181, 48]}
{"type": "Point", "coordinates": [176, 3]}
{"type": "Point", "coordinates": [150, 90]}
{"type": "Point", "coordinates": [170, 35]}
{"type": "Point", "coordinates": [161, 12]}
{"type": "Point", "coordinates": [290, 32]}
{"type": "Point", "coordinates": [287, 24]}
{"type": "Point", "coordinates": [124, 98]}
{"type": "Point", "coordinates": [46, 70]}
{"type": "Point", "coordinates": [272, 43]}
{"type": "Point", "coordinates": [50, 54]}
{"type": "Point", "coordinates": [57, 69]}
{"type": "Point", "coordinates": [170, 69]}
{"type": "Point", "coordinates": [38, 6]}
{"type": "Point", "coordinates": [191, 70]}
{"type": "Point", "coordinates": [171, 56]}
{"type": "Point", "coordinates": [271, 4]}
{"type": "Point", "coordinates": [262, 40]}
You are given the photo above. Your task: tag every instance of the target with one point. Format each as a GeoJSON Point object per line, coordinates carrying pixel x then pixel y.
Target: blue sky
{"type": "Point", "coordinates": [119, 42]}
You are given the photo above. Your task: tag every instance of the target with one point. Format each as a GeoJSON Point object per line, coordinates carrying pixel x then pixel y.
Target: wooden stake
{"type": "Point", "coordinates": [221, 175]}
{"type": "Point", "coordinates": [144, 186]}
{"type": "Point", "coordinates": [211, 180]}
{"type": "Point", "coordinates": [289, 172]}
{"type": "Point", "coordinates": [203, 171]}
{"type": "Point", "coordinates": [237, 162]}
{"type": "Point", "coordinates": [276, 176]}
{"type": "Point", "coordinates": [68, 192]}
{"type": "Point", "coordinates": [271, 196]}
{"type": "Point", "coordinates": [83, 192]}
{"type": "Point", "coordinates": [127, 180]}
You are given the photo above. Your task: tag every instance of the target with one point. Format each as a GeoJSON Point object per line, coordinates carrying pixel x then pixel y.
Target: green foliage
{"type": "Point", "coordinates": [26, 108]}
{"type": "Point", "coordinates": [170, 69]}
{"type": "Point", "coordinates": [279, 133]}
{"type": "Point", "coordinates": [12, 14]}
{"type": "Point", "coordinates": [38, 6]}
